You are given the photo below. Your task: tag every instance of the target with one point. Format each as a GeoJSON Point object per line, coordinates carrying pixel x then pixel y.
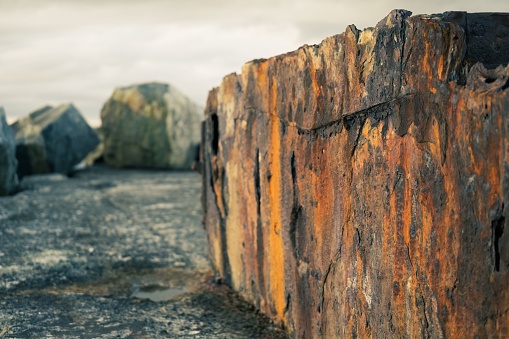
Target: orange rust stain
{"type": "Point", "coordinates": [441, 68]}
{"type": "Point", "coordinates": [261, 81]}
{"type": "Point", "coordinates": [400, 271]}
{"type": "Point", "coordinates": [317, 89]}
{"type": "Point", "coordinates": [427, 67]}
{"type": "Point", "coordinates": [276, 259]}
{"type": "Point", "coordinates": [407, 200]}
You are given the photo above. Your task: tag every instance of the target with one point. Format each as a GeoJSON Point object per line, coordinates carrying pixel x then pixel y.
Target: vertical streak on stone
{"type": "Point", "coordinates": [234, 226]}
{"type": "Point", "coordinates": [277, 288]}
{"type": "Point", "coordinates": [426, 67]}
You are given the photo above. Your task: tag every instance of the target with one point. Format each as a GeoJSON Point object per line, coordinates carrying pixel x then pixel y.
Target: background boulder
{"type": "Point", "coordinates": [52, 139]}
{"type": "Point", "coordinates": [150, 125]}
{"type": "Point", "coordinates": [8, 162]}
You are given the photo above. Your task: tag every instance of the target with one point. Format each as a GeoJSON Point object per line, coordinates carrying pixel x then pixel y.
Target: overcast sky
{"type": "Point", "coordinates": [56, 51]}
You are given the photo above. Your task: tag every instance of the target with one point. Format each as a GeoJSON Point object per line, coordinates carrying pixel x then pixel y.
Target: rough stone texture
{"type": "Point", "coordinates": [52, 139]}
{"type": "Point", "coordinates": [76, 252]}
{"type": "Point", "coordinates": [150, 125]}
{"type": "Point", "coordinates": [357, 188]}
{"type": "Point", "coordinates": [8, 162]}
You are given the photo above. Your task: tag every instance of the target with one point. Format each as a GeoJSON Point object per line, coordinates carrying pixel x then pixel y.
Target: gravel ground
{"type": "Point", "coordinates": [114, 254]}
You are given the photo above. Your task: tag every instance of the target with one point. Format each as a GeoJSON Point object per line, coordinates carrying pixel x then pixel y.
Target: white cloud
{"type": "Point", "coordinates": [83, 65]}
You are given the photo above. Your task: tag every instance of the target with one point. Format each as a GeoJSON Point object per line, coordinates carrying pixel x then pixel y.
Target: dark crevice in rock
{"type": "Point", "coordinates": [497, 228]}
{"type": "Point", "coordinates": [288, 302]}
{"type": "Point", "coordinates": [259, 225]}
{"type": "Point", "coordinates": [294, 170]}
{"type": "Point", "coordinates": [378, 112]}
{"type": "Point", "coordinates": [215, 133]}
{"type": "Point", "coordinates": [257, 180]}
{"type": "Point", "coordinates": [505, 86]}
{"type": "Point", "coordinates": [24, 166]}
{"type": "Point", "coordinates": [296, 210]}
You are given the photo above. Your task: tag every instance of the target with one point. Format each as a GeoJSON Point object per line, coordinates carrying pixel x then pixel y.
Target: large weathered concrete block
{"type": "Point", "coordinates": [52, 139]}
{"type": "Point", "coordinates": [8, 162]}
{"type": "Point", "coordinates": [357, 188]}
{"type": "Point", "coordinates": [150, 125]}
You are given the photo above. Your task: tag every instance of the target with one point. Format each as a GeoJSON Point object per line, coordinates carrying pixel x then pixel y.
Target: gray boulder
{"type": "Point", "coordinates": [52, 139]}
{"type": "Point", "coordinates": [150, 125]}
{"type": "Point", "coordinates": [8, 162]}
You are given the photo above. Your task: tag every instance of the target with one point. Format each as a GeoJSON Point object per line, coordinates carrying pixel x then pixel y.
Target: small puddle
{"type": "Point", "coordinates": [158, 293]}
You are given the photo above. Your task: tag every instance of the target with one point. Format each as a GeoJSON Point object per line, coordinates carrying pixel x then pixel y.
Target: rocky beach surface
{"type": "Point", "coordinates": [114, 254]}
